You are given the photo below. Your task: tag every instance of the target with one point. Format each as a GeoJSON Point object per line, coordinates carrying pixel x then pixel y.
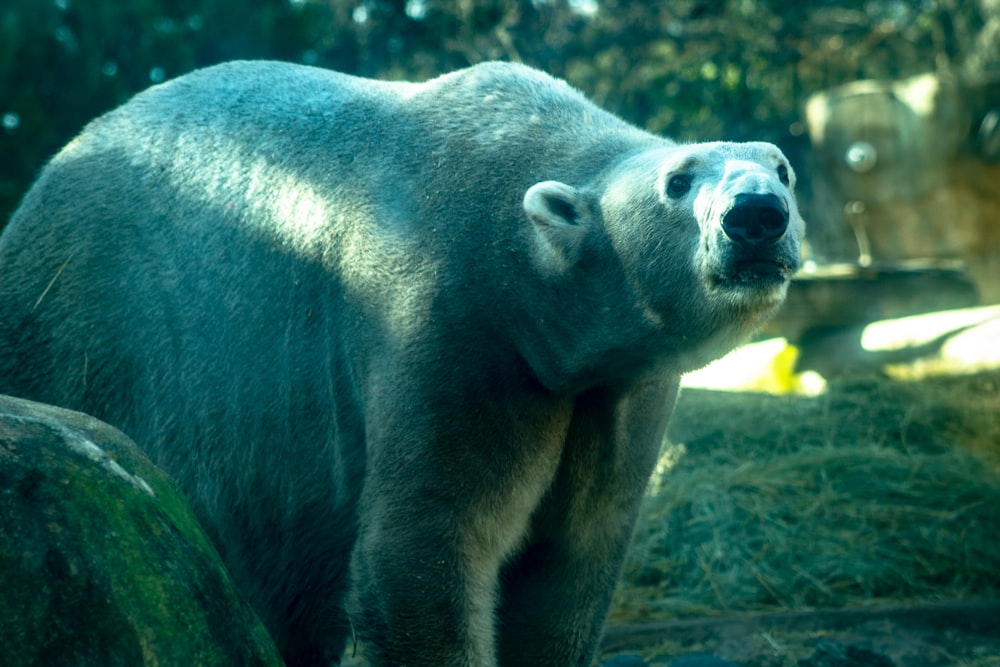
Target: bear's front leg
{"type": "Point", "coordinates": [414, 601]}
{"type": "Point", "coordinates": [445, 503]}
{"type": "Point", "coordinates": [556, 594]}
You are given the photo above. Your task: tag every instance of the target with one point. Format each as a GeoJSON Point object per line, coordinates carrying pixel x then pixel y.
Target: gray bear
{"type": "Point", "coordinates": [409, 348]}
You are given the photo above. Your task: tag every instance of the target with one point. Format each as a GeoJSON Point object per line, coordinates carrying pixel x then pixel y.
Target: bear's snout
{"type": "Point", "coordinates": [756, 219]}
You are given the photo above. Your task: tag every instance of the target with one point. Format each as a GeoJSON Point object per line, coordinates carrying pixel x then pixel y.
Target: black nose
{"type": "Point", "coordinates": [756, 219]}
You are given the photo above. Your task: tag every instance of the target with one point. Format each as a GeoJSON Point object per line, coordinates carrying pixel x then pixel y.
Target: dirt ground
{"type": "Point", "coordinates": [939, 634]}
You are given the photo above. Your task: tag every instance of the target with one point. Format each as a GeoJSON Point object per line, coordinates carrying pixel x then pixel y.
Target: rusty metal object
{"type": "Point", "coordinates": [907, 170]}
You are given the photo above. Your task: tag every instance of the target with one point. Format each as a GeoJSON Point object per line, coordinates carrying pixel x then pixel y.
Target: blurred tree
{"type": "Point", "coordinates": [691, 69]}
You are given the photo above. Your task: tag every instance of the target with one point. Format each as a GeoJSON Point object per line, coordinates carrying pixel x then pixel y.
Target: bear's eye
{"type": "Point", "coordinates": [678, 185]}
{"type": "Point", "coordinates": [783, 174]}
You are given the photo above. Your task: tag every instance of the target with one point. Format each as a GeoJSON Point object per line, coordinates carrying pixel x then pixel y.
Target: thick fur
{"type": "Point", "coordinates": [410, 349]}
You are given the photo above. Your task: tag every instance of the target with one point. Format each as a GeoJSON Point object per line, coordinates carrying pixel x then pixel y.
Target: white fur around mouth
{"type": "Point", "coordinates": [762, 269]}
{"type": "Point", "coordinates": [753, 274]}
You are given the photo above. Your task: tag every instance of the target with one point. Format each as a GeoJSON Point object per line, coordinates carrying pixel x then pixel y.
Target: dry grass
{"type": "Point", "coordinates": [876, 491]}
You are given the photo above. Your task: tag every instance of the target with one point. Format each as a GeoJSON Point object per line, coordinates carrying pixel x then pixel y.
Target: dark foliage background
{"type": "Point", "coordinates": [690, 69]}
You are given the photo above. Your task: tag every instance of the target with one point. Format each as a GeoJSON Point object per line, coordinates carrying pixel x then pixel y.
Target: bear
{"type": "Point", "coordinates": [410, 349]}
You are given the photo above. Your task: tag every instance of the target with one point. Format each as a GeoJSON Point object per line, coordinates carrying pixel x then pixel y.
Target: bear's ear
{"type": "Point", "coordinates": [559, 216]}
{"type": "Point", "coordinates": [552, 203]}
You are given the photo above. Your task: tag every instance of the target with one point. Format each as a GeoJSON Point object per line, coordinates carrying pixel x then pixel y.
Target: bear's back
{"type": "Point", "coordinates": [216, 118]}
{"type": "Point", "coordinates": [272, 105]}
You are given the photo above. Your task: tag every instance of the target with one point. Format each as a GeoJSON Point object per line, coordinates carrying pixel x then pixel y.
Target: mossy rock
{"type": "Point", "coordinates": [101, 560]}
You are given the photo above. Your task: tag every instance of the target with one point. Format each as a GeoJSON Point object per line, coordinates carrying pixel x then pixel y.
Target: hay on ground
{"type": "Point", "coordinates": [875, 492]}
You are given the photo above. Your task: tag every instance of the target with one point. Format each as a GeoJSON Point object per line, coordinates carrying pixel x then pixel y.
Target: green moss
{"type": "Point", "coordinates": [106, 565]}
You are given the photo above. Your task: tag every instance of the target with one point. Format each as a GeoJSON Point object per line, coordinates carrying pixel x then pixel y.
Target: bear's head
{"type": "Point", "coordinates": [742, 198]}
{"type": "Point", "coordinates": [707, 236]}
